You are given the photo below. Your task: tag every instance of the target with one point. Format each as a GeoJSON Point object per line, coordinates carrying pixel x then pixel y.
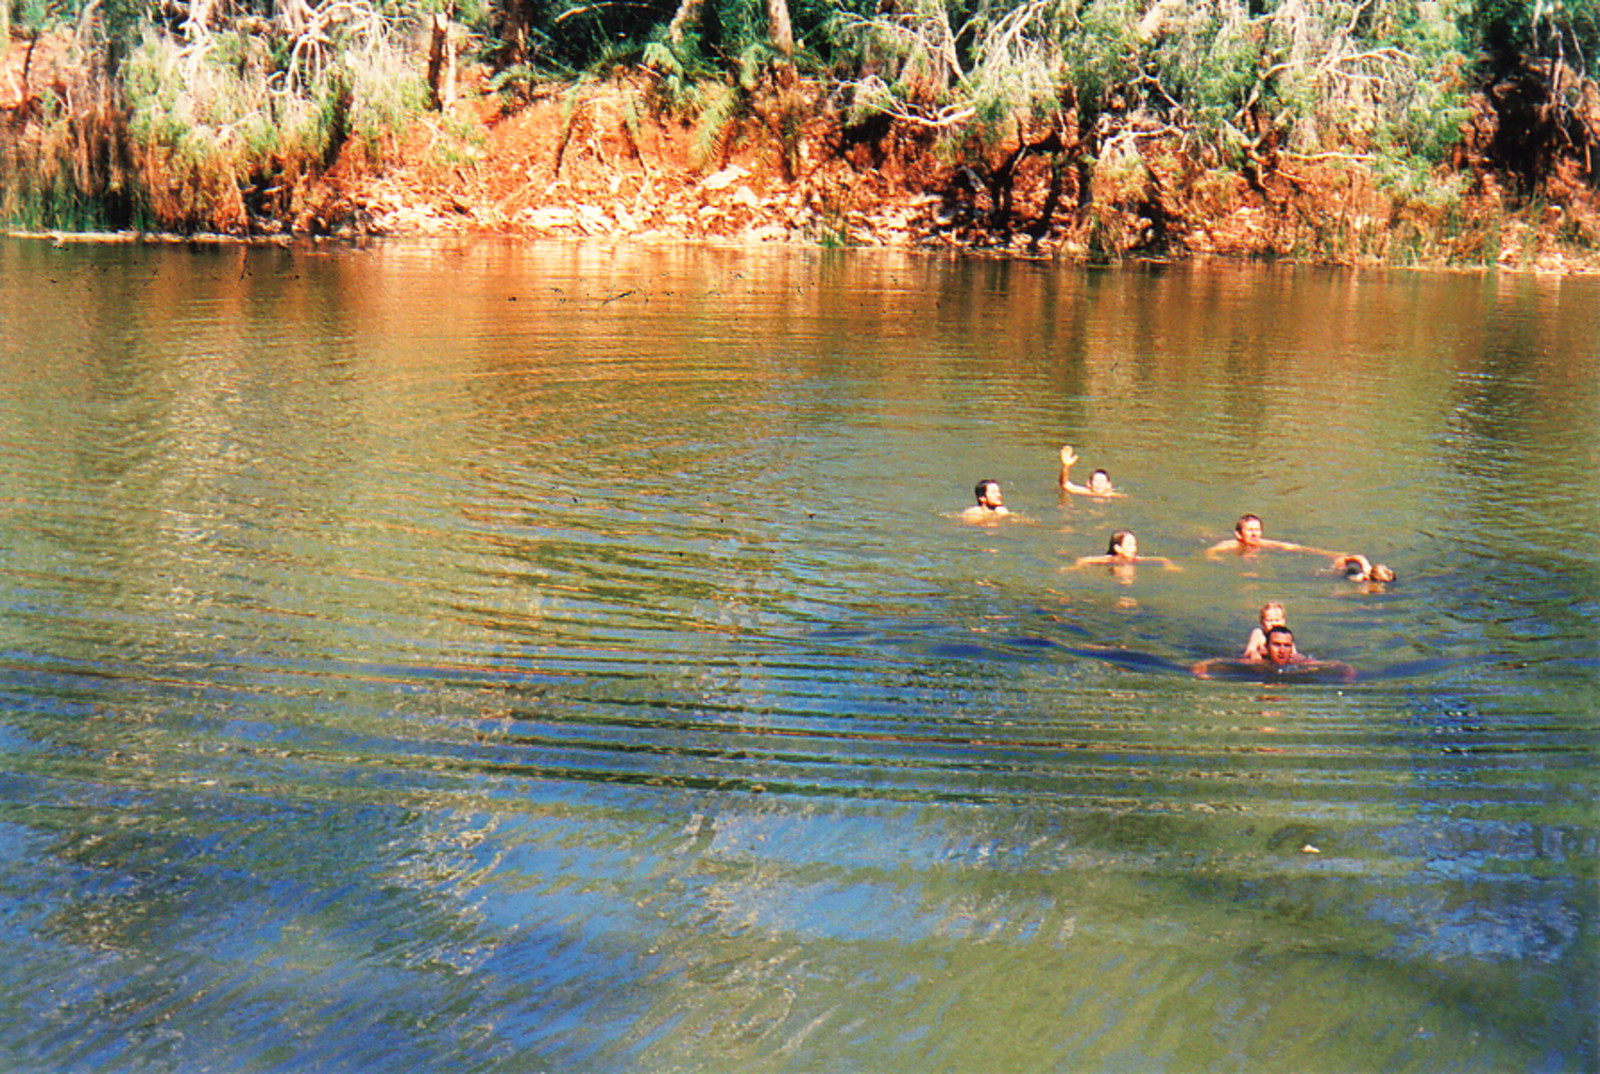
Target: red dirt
{"type": "Point", "coordinates": [603, 162]}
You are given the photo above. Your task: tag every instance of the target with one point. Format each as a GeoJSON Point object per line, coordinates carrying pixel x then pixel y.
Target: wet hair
{"type": "Point", "coordinates": [1239, 525]}
{"type": "Point", "coordinates": [1116, 539]}
{"type": "Point", "coordinates": [983, 486]}
{"type": "Point", "coordinates": [1099, 473]}
{"type": "Point", "coordinates": [1280, 630]}
{"type": "Point", "coordinates": [1380, 573]}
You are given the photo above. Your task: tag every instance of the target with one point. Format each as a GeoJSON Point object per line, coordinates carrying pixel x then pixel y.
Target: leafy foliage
{"type": "Point", "coordinates": [230, 97]}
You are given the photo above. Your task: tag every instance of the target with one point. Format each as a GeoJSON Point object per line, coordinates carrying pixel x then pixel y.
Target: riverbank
{"type": "Point", "coordinates": [589, 165]}
{"type": "Point", "coordinates": [604, 159]}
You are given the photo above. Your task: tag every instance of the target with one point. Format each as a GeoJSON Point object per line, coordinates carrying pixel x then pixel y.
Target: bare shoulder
{"type": "Point", "coordinates": [984, 516]}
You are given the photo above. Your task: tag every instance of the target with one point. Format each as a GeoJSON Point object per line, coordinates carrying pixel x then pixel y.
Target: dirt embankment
{"type": "Point", "coordinates": [604, 160]}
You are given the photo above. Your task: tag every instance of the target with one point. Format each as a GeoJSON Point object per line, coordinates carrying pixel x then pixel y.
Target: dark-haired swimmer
{"type": "Point", "coordinates": [1123, 551]}
{"type": "Point", "coordinates": [991, 505]}
{"type": "Point", "coordinates": [1247, 540]}
{"type": "Point", "coordinates": [1281, 657]}
{"type": "Point", "coordinates": [1099, 481]}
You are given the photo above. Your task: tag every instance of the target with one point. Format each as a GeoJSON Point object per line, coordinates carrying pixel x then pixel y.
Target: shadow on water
{"type": "Point", "coordinates": [1040, 648]}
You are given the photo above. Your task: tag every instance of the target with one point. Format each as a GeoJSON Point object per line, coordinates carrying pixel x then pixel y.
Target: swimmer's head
{"type": "Point", "coordinates": [1355, 569]}
{"type": "Point", "coordinates": [1380, 573]}
{"type": "Point", "coordinates": [1280, 646]}
{"type": "Point", "coordinates": [988, 493]}
{"type": "Point", "coordinates": [1273, 615]}
{"type": "Point", "coordinates": [1123, 544]}
{"type": "Point", "coordinates": [1100, 481]}
{"type": "Point", "coordinates": [1248, 529]}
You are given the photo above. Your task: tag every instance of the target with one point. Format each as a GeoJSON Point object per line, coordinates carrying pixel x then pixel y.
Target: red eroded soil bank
{"type": "Point", "coordinates": [602, 160]}
{"type": "Point", "coordinates": [602, 163]}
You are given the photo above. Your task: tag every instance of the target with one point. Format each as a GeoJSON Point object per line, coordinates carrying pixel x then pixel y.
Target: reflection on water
{"type": "Point", "coordinates": [566, 658]}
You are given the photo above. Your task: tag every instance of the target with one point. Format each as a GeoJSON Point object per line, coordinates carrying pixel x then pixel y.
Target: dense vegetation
{"type": "Point", "coordinates": [208, 114]}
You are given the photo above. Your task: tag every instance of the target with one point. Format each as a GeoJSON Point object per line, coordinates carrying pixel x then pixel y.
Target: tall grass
{"type": "Point", "coordinates": [207, 130]}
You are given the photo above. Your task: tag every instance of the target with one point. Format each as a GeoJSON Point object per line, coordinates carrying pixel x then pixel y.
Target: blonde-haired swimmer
{"type": "Point", "coordinates": [1272, 615]}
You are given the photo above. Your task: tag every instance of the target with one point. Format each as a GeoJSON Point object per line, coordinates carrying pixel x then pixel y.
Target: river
{"type": "Point", "coordinates": [466, 656]}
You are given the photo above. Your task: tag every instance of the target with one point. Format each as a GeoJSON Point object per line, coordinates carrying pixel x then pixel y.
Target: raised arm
{"type": "Point", "coordinates": [1068, 459]}
{"type": "Point", "coordinates": [1099, 490]}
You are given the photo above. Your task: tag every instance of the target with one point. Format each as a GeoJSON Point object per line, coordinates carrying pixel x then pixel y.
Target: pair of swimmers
{"type": "Point", "coordinates": [1271, 649]}
{"type": "Point", "coordinates": [1247, 540]}
{"type": "Point", "coordinates": [991, 503]}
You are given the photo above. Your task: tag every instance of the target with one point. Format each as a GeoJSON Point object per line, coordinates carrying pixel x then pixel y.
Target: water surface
{"type": "Point", "coordinates": [568, 658]}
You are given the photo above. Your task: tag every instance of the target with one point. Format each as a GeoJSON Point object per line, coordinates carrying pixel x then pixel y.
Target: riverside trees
{"type": "Point", "coordinates": [214, 113]}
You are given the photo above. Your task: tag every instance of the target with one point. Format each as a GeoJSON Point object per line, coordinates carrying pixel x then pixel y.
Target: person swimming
{"type": "Point", "coordinates": [991, 503]}
{"type": "Point", "coordinates": [1281, 659]}
{"type": "Point", "coordinates": [1123, 551]}
{"type": "Point", "coordinates": [1358, 568]}
{"type": "Point", "coordinates": [1247, 540]}
{"type": "Point", "coordinates": [1099, 481]}
{"type": "Point", "coordinates": [1272, 615]}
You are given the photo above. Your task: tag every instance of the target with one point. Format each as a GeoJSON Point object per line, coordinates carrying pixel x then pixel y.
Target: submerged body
{"type": "Point", "coordinates": [1123, 551]}
{"type": "Point", "coordinates": [1281, 660]}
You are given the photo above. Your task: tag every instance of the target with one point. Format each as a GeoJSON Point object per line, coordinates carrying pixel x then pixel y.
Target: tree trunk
{"type": "Point", "coordinates": [198, 24]}
{"type": "Point", "coordinates": [779, 28]}
{"type": "Point", "coordinates": [688, 14]}
{"type": "Point", "coordinates": [441, 63]}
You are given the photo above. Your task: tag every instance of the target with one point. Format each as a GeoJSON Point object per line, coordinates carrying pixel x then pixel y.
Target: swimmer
{"type": "Point", "coordinates": [1281, 656]}
{"type": "Point", "coordinates": [1099, 481]}
{"type": "Point", "coordinates": [991, 504]}
{"type": "Point", "coordinates": [1123, 551]}
{"type": "Point", "coordinates": [1358, 568]}
{"type": "Point", "coordinates": [1272, 615]}
{"type": "Point", "coordinates": [1247, 540]}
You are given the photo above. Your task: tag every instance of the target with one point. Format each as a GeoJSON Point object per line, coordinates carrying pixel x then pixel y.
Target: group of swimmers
{"type": "Point", "coordinates": [1271, 646]}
